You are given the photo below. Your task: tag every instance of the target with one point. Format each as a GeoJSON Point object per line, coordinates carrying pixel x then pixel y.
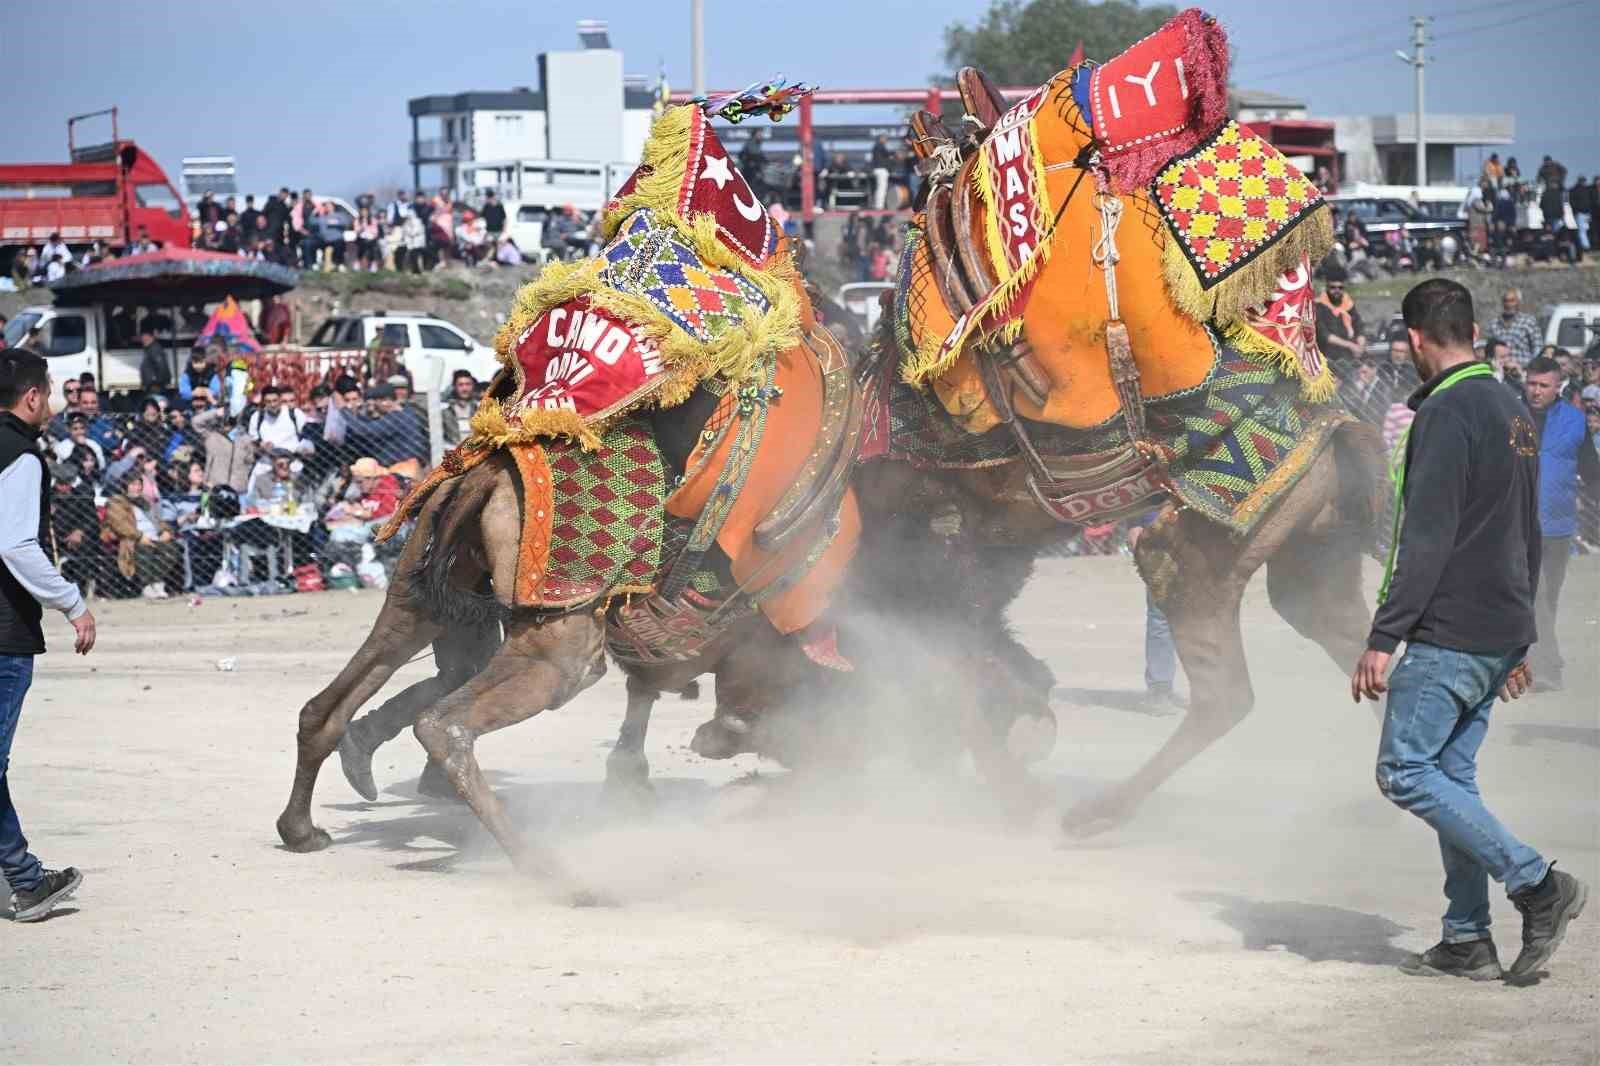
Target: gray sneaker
{"type": "Point", "coordinates": [37, 903]}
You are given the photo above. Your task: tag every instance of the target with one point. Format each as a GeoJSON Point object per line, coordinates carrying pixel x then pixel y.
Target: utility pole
{"type": "Point", "coordinates": [1419, 26]}
{"type": "Point", "coordinates": [697, 46]}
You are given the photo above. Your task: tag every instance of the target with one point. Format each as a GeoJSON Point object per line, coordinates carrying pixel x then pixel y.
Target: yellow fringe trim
{"type": "Point", "coordinates": [662, 162]}
{"type": "Point", "coordinates": [492, 426]}
{"type": "Point", "coordinates": [734, 354]}
{"type": "Point", "coordinates": [1264, 350]}
{"type": "Point", "coordinates": [1009, 331]}
{"type": "Point", "coordinates": [1311, 237]}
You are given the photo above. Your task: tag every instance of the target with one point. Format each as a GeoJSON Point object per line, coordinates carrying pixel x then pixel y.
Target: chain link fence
{"type": "Point", "coordinates": [272, 479]}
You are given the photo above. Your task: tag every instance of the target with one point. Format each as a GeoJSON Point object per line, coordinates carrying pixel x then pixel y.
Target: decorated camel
{"type": "Point", "coordinates": [660, 471]}
{"type": "Point", "coordinates": [1105, 310]}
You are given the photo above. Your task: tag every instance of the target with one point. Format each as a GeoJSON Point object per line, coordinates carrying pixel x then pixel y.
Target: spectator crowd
{"type": "Point", "coordinates": [222, 485]}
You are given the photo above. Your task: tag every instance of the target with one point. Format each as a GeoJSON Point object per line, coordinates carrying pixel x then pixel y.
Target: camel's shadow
{"type": "Point", "coordinates": [1314, 931]}
{"type": "Point", "coordinates": [446, 832]}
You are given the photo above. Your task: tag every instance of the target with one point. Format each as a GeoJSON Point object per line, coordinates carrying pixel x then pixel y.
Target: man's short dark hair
{"type": "Point", "coordinates": [269, 390]}
{"type": "Point", "coordinates": [345, 383]}
{"type": "Point", "coordinates": [1440, 310]}
{"type": "Point", "coordinates": [1542, 365]}
{"type": "Point", "coordinates": [1498, 343]}
{"type": "Point", "coordinates": [459, 374]}
{"type": "Point", "coordinates": [21, 370]}
{"type": "Point", "coordinates": [319, 391]}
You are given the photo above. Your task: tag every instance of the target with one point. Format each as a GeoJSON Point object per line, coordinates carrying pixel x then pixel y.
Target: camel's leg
{"type": "Point", "coordinates": [1211, 647]}
{"type": "Point", "coordinates": [1315, 585]}
{"type": "Point", "coordinates": [399, 633]}
{"type": "Point", "coordinates": [1204, 575]}
{"type": "Point", "coordinates": [459, 653]}
{"type": "Point", "coordinates": [402, 629]}
{"type": "Point", "coordinates": [627, 768]}
{"type": "Point", "coordinates": [541, 665]}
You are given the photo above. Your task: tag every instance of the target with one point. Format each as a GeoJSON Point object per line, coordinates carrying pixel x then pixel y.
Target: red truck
{"type": "Point", "coordinates": [112, 192]}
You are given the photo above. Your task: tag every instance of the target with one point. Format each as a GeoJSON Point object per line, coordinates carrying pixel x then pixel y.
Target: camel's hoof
{"type": "Point", "coordinates": [1031, 738]}
{"type": "Point", "coordinates": [721, 738]}
{"type": "Point", "coordinates": [306, 843]}
{"type": "Point", "coordinates": [435, 784]}
{"type": "Point", "coordinates": [1094, 817]}
{"type": "Point", "coordinates": [628, 779]}
{"type": "Point", "coordinates": [356, 762]}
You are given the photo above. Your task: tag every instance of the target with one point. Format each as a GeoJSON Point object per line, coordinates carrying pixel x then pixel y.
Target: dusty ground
{"type": "Point", "coordinates": [1252, 914]}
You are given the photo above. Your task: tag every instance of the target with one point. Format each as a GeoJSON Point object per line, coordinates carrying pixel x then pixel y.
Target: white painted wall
{"type": "Point", "coordinates": [508, 135]}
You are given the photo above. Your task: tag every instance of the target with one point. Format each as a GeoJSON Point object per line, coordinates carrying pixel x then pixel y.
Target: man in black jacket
{"type": "Point", "coordinates": [29, 582]}
{"type": "Point", "coordinates": [1459, 590]}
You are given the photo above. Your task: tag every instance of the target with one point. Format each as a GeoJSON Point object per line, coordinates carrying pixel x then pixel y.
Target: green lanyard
{"type": "Point", "coordinates": [1397, 469]}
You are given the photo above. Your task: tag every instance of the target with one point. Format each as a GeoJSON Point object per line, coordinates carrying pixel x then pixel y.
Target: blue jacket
{"type": "Point", "coordinates": [1563, 435]}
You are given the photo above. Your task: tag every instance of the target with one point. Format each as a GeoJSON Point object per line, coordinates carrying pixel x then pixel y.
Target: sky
{"type": "Point", "coordinates": [313, 92]}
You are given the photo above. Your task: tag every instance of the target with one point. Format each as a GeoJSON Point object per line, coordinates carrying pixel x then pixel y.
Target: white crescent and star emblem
{"type": "Point", "coordinates": [750, 211]}
{"type": "Point", "coordinates": [717, 170]}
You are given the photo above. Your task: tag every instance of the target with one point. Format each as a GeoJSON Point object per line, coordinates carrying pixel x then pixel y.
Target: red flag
{"type": "Point", "coordinates": [1077, 56]}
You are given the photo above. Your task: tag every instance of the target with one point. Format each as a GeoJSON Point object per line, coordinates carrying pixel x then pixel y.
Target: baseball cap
{"type": "Point", "coordinates": [1591, 394]}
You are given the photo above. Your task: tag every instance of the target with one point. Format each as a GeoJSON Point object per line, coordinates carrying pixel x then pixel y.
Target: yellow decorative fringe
{"type": "Point", "coordinates": [491, 426]}
{"type": "Point", "coordinates": [1251, 284]}
{"type": "Point", "coordinates": [1010, 330]}
{"type": "Point", "coordinates": [1264, 350]}
{"type": "Point", "coordinates": [661, 165]}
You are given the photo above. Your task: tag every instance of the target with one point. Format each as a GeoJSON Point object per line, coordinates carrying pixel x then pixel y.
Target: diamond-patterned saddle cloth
{"type": "Point", "coordinates": [592, 521]}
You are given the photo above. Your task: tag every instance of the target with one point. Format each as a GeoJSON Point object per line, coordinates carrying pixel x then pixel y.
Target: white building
{"type": "Point", "coordinates": [584, 112]}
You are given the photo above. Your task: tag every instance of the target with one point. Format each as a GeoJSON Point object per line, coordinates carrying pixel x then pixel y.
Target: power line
{"type": "Point", "coordinates": [1522, 17]}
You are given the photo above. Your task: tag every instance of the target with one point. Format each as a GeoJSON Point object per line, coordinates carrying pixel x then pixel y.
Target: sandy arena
{"type": "Point", "coordinates": [1252, 913]}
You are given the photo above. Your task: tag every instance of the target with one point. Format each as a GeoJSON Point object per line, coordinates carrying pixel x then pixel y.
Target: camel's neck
{"type": "Point", "coordinates": [1069, 307]}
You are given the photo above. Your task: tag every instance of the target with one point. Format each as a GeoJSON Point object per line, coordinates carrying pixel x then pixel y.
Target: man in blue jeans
{"type": "Point", "coordinates": [29, 582]}
{"type": "Point", "coordinates": [1459, 590]}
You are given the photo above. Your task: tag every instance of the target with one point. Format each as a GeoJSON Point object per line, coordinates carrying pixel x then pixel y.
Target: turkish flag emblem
{"type": "Point", "coordinates": [712, 185]}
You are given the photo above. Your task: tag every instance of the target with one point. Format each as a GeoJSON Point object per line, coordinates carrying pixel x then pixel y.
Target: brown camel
{"type": "Point", "coordinates": [1060, 381]}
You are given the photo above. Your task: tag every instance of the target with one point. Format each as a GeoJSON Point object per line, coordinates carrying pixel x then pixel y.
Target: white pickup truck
{"type": "Point", "coordinates": [414, 334]}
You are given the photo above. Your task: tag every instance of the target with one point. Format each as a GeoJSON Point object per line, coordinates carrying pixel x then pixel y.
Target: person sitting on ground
{"type": "Point", "coordinates": [508, 254]}
{"type": "Point", "coordinates": [146, 553]}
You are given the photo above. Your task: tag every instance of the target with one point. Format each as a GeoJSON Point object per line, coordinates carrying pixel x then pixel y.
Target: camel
{"type": "Point", "coordinates": [1039, 376]}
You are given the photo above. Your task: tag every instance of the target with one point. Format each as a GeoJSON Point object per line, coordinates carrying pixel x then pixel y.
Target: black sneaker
{"type": "Point", "coordinates": [1546, 909]}
{"type": "Point", "coordinates": [37, 903]}
{"type": "Point", "coordinates": [1475, 960]}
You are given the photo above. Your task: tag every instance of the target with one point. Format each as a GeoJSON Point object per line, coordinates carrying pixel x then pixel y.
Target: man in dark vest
{"type": "Point", "coordinates": [1566, 456]}
{"type": "Point", "coordinates": [29, 582]}
{"type": "Point", "coordinates": [1459, 590]}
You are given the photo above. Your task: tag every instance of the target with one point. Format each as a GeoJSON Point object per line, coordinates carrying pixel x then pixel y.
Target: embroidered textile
{"type": "Point", "coordinates": [1284, 329]}
{"type": "Point", "coordinates": [1229, 200]}
{"type": "Point", "coordinates": [606, 524]}
{"type": "Point", "coordinates": [651, 260]}
{"type": "Point", "coordinates": [1157, 99]}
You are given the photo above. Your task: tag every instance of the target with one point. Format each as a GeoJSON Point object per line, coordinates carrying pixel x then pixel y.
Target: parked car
{"type": "Point", "coordinates": [1382, 215]}
{"type": "Point", "coordinates": [414, 334]}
